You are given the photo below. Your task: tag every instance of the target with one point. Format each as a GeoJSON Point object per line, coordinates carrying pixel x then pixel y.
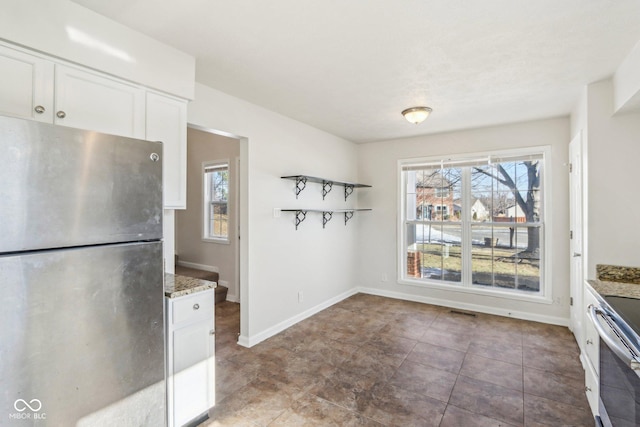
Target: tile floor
{"type": "Point", "coordinates": [377, 361]}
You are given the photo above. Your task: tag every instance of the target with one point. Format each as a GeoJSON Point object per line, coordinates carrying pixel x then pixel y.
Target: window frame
{"type": "Point", "coordinates": [216, 164]}
{"type": "Point", "coordinates": [544, 296]}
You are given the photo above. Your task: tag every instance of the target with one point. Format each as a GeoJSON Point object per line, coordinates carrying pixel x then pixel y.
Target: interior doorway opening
{"type": "Point", "coordinates": [208, 231]}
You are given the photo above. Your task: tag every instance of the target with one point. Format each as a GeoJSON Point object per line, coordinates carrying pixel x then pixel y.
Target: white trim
{"type": "Point", "coordinates": [268, 333]}
{"type": "Point", "coordinates": [204, 267]}
{"type": "Point", "coordinates": [477, 289]}
{"type": "Point", "coordinates": [553, 320]}
{"type": "Point", "coordinates": [219, 241]}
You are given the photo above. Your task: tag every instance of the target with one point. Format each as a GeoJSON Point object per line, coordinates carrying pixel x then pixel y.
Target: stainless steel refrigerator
{"type": "Point", "coordinates": [81, 278]}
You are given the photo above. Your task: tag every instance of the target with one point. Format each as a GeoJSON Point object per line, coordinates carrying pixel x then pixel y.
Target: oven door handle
{"type": "Point", "coordinates": [613, 342]}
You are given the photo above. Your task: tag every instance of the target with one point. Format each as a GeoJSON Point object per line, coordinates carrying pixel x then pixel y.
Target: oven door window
{"type": "Point", "coordinates": [619, 390]}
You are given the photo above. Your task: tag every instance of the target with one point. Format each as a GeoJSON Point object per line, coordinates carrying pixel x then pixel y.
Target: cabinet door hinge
{"type": "Point", "coordinates": [570, 234]}
{"type": "Point", "coordinates": [571, 301]}
{"type": "Point", "coordinates": [570, 167]}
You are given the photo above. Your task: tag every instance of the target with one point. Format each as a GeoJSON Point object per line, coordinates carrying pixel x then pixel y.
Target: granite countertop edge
{"type": "Point", "coordinates": [176, 285]}
{"type": "Point", "coordinates": [620, 289]}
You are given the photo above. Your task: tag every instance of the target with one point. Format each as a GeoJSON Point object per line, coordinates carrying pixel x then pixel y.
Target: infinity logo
{"type": "Point", "coordinates": [22, 405]}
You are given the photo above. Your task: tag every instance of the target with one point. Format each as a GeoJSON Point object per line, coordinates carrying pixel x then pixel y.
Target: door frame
{"type": "Point", "coordinates": [576, 243]}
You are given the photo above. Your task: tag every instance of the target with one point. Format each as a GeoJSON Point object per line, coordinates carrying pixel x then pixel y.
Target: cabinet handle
{"type": "Point", "coordinates": [587, 389]}
{"type": "Point", "coordinates": [212, 332]}
{"type": "Point", "coordinates": [61, 114]}
{"type": "Point", "coordinates": [39, 109]}
{"type": "Point", "coordinates": [196, 306]}
{"type": "Point", "coordinates": [589, 341]}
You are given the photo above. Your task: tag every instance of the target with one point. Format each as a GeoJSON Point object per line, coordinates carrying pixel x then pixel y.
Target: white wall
{"type": "Point", "coordinates": [377, 165]}
{"type": "Point", "coordinates": [190, 247]}
{"type": "Point", "coordinates": [612, 176]}
{"type": "Point", "coordinates": [276, 260]}
{"type": "Point", "coordinates": [626, 82]}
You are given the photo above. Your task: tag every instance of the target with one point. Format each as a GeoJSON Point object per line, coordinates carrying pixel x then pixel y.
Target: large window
{"type": "Point", "coordinates": [475, 223]}
{"type": "Point", "coordinates": [216, 194]}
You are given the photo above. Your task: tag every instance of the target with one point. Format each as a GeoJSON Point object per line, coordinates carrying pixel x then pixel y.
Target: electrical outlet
{"type": "Point", "coordinates": [384, 277]}
{"type": "Point", "coordinates": [300, 296]}
{"type": "Point", "coordinates": [276, 212]}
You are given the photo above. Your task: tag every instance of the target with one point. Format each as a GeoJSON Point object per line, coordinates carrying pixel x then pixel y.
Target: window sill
{"type": "Point", "coordinates": [477, 290]}
{"type": "Point", "coordinates": [220, 241]}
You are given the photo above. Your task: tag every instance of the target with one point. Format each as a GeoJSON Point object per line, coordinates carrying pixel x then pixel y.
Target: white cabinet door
{"type": "Point", "coordinates": [26, 86]}
{"type": "Point", "coordinates": [193, 371]}
{"type": "Point", "coordinates": [167, 122]}
{"type": "Point", "coordinates": [90, 101]}
{"type": "Point", "coordinates": [190, 356]}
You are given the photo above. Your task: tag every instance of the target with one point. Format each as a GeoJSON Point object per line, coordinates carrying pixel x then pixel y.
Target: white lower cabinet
{"type": "Point", "coordinates": [190, 357]}
{"type": "Point", "coordinates": [591, 355]}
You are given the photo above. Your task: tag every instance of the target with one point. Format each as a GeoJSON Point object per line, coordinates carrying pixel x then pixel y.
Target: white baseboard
{"type": "Point", "coordinates": [561, 321]}
{"type": "Point", "coordinates": [187, 264]}
{"type": "Point", "coordinates": [233, 298]}
{"type": "Point", "coordinates": [268, 333]}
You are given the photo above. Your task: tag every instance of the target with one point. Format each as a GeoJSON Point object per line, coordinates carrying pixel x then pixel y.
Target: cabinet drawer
{"type": "Point", "coordinates": [193, 307]}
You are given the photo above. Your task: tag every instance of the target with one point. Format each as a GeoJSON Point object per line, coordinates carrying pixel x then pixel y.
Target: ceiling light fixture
{"type": "Point", "coordinates": [416, 115]}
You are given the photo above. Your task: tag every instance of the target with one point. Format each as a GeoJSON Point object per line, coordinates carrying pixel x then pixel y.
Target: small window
{"type": "Point", "coordinates": [216, 198]}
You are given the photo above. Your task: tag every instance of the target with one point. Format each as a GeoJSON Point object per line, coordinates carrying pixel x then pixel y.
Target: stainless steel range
{"type": "Point", "coordinates": [617, 320]}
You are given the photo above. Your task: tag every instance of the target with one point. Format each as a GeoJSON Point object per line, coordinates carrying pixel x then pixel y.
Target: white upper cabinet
{"type": "Point", "coordinates": [36, 87]}
{"type": "Point", "coordinates": [90, 101]}
{"type": "Point", "coordinates": [167, 122]}
{"type": "Point", "coordinates": [26, 86]}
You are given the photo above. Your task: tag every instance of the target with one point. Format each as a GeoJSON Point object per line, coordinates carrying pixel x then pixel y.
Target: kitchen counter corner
{"type": "Point", "coordinates": [628, 290]}
{"type": "Point", "coordinates": [176, 286]}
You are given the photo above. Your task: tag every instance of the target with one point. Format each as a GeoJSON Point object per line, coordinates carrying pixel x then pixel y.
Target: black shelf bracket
{"type": "Point", "coordinates": [347, 216]}
{"type": "Point", "coordinates": [300, 216]}
{"type": "Point", "coordinates": [348, 189]}
{"type": "Point", "coordinates": [326, 187]}
{"type": "Point", "coordinates": [326, 217]}
{"type": "Point", "coordinates": [301, 183]}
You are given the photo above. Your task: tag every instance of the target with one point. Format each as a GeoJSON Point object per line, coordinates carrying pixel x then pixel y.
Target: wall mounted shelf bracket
{"type": "Point", "coordinates": [301, 183]}
{"type": "Point", "coordinates": [326, 217]}
{"type": "Point", "coordinates": [347, 216]}
{"type": "Point", "coordinates": [326, 187]}
{"type": "Point", "coordinates": [348, 189]}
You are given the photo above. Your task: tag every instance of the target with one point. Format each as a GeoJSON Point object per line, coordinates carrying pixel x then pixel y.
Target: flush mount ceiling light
{"type": "Point", "coordinates": [416, 114]}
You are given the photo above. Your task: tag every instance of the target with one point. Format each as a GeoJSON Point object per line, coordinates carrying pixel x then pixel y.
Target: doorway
{"type": "Point", "coordinates": [207, 231]}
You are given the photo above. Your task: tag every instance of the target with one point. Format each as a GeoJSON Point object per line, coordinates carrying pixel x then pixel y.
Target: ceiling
{"type": "Point", "coordinates": [350, 67]}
